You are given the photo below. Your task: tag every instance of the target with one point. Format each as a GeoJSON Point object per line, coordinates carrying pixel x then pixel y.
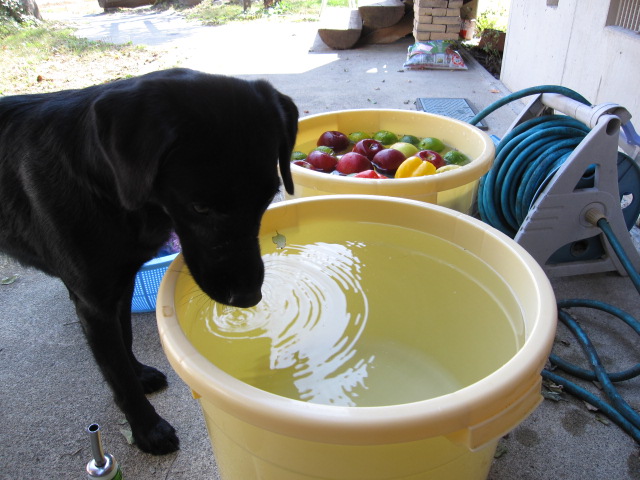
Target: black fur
{"type": "Point", "coordinates": [92, 181]}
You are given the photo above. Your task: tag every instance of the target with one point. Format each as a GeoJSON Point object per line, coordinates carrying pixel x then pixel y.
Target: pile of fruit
{"type": "Point", "coordinates": [381, 155]}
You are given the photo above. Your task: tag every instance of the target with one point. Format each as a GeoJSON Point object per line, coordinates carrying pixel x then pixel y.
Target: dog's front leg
{"type": "Point", "coordinates": [104, 333]}
{"type": "Point", "coordinates": [152, 379]}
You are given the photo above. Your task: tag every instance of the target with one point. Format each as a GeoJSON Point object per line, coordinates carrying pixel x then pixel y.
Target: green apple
{"type": "Point", "coordinates": [447, 168]}
{"type": "Point", "coordinates": [410, 139]}
{"type": "Point", "coordinates": [408, 149]}
{"type": "Point", "coordinates": [430, 143]}
{"type": "Point", "coordinates": [456, 158]}
{"type": "Point", "coordinates": [325, 149]}
{"type": "Point", "coordinates": [298, 155]}
{"type": "Point", "coordinates": [385, 137]}
{"type": "Point", "coordinates": [355, 137]}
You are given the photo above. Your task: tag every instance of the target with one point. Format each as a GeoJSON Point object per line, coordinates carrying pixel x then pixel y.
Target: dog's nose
{"type": "Point", "coordinates": [245, 300]}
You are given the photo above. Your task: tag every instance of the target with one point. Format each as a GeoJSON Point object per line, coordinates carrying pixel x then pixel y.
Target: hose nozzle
{"type": "Point", "coordinates": [103, 466]}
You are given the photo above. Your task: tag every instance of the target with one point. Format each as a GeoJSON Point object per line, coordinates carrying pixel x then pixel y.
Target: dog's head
{"type": "Point", "coordinates": [206, 148]}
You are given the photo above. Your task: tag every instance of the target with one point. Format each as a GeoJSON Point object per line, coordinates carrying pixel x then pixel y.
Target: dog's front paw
{"type": "Point", "coordinates": [158, 440]}
{"type": "Point", "coordinates": [151, 379]}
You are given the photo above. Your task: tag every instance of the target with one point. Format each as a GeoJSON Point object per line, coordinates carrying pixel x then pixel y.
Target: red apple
{"type": "Point", "coordinates": [338, 141]}
{"type": "Point", "coordinates": [368, 147]}
{"type": "Point", "coordinates": [303, 164]}
{"type": "Point", "coordinates": [353, 162]}
{"type": "Point", "coordinates": [388, 160]}
{"type": "Point", "coordinates": [370, 174]}
{"type": "Point", "coordinates": [432, 157]}
{"type": "Point", "coordinates": [322, 161]}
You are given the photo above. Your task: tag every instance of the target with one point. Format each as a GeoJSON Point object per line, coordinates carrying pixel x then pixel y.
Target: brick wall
{"type": "Point", "coordinates": [436, 19]}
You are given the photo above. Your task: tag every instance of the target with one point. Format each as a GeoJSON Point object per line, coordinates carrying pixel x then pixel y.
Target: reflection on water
{"type": "Point", "coordinates": [313, 312]}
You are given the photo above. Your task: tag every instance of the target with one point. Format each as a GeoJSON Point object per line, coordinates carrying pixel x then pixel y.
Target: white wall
{"type": "Point", "coordinates": [570, 45]}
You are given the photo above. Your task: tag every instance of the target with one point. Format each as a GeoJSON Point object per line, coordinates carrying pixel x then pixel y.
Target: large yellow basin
{"type": "Point", "coordinates": [258, 434]}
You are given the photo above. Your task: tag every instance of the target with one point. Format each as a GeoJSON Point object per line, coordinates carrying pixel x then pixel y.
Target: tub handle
{"type": "Point", "coordinates": [479, 435]}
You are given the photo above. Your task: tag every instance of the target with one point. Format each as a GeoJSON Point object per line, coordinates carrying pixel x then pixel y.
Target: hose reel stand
{"type": "Point", "coordinates": [594, 177]}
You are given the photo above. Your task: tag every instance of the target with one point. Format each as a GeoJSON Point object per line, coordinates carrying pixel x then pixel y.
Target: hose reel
{"type": "Point", "coordinates": [550, 169]}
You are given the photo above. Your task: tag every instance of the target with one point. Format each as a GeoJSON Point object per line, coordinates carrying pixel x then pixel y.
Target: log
{"type": "Point", "coordinates": [380, 13]}
{"type": "Point", "coordinates": [340, 27]}
{"type": "Point", "coordinates": [106, 4]}
{"type": "Point", "coordinates": [389, 34]}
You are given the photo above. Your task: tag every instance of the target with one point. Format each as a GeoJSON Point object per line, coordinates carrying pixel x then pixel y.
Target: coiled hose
{"type": "Point", "coordinates": [526, 159]}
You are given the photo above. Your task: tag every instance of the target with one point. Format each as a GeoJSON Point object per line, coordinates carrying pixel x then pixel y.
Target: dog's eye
{"type": "Point", "coordinates": [201, 208]}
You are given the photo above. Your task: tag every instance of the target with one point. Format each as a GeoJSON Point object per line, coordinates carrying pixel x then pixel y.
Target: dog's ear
{"type": "Point", "coordinates": [290, 132]}
{"type": "Point", "coordinates": [132, 139]}
{"type": "Point", "coordinates": [288, 129]}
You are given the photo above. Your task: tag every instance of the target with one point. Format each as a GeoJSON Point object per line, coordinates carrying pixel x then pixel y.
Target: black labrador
{"type": "Point", "coordinates": [92, 182]}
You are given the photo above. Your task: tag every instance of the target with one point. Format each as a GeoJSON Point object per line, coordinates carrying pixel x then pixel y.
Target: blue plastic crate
{"type": "Point", "coordinates": [147, 283]}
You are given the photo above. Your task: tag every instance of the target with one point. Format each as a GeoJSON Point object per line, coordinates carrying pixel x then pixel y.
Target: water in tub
{"type": "Point", "coordinates": [360, 314]}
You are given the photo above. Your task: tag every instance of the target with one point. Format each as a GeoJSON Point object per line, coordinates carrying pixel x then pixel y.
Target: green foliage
{"type": "Point", "coordinates": [219, 12]}
{"type": "Point", "coordinates": [48, 41]}
{"type": "Point", "coordinates": [7, 26]}
{"type": "Point", "coordinates": [11, 13]}
{"type": "Point", "coordinates": [212, 12]}
{"type": "Point", "coordinates": [492, 20]}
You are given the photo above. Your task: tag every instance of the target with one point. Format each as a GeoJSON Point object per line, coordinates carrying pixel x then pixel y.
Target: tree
{"type": "Point", "coordinates": [19, 10]}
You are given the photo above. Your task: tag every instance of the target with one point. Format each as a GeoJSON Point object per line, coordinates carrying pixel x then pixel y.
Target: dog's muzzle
{"type": "Point", "coordinates": [245, 300]}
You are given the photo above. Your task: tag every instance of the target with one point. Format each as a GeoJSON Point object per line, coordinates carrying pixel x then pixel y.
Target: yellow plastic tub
{"type": "Point", "coordinates": [455, 189]}
{"type": "Point", "coordinates": [475, 379]}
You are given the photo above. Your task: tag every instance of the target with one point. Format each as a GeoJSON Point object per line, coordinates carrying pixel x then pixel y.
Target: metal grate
{"type": "Point", "coordinates": [628, 14]}
{"type": "Point", "coordinates": [458, 108]}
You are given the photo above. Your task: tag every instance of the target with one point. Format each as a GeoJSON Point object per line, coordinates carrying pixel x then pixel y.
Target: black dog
{"type": "Point", "coordinates": [92, 182]}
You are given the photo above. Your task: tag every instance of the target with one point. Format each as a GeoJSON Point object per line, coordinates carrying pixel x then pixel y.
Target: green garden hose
{"type": "Point", "coordinates": [526, 158]}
